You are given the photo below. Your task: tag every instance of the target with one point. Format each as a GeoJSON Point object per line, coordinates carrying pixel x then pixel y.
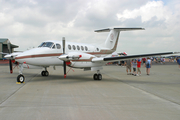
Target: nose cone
{"type": "Point", "coordinates": [63, 57]}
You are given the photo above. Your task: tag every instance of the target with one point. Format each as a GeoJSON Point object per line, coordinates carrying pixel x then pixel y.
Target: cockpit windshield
{"type": "Point", "coordinates": [46, 44]}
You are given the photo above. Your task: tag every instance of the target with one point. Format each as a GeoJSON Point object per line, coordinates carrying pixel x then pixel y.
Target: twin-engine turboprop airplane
{"type": "Point", "coordinates": [76, 55]}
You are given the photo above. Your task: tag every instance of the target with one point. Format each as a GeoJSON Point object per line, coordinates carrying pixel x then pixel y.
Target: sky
{"type": "Point", "coordinates": [27, 23]}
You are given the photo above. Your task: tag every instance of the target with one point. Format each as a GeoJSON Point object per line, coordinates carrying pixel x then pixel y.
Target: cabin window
{"type": "Point", "coordinates": [69, 46]}
{"type": "Point", "coordinates": [41, 44]}
{"type": "Point", "coordinates": [53, 47]}
{"type": "Point", "coordinates": [58, 46]}
{"type": "Point", "coordinates": [74, 47]}
{"type": "Point", "coordinates": [97, 49]}
{"type": "Point", "coordinates": [47, 44]}
{"type": "Point", "coordinates": [78, 47]}
{"type": "Point", "coordinates": [82, 48]}
{"type": "Point", "coordinates": [86, 48]}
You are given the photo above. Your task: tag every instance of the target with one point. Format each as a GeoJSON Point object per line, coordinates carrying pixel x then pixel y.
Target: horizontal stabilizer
{"type": "Point", "coordinates": [118, 29]}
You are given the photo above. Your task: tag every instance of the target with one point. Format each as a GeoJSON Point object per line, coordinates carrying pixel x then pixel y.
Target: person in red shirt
{"type": "Point", "coordinates": [139, 67]}
{"type": "Point", "coordinates": [144, 62]}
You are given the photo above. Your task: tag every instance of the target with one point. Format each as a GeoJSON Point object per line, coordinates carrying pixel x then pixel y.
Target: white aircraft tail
{"type": "Point", "coordinates": [113, 36]}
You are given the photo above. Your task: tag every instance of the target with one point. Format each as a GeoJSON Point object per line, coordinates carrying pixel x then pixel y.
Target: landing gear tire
{"type": "Point", "coordinates": [20, 78]}
{"type": "Point", "coordinates": [45, 73]}
{"type": "Point", "coordinates": [97, 77]}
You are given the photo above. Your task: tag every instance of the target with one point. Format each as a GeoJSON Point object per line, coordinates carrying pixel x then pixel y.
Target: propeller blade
{"type": "Point", "coordinates": [10, 62]}
{"type": "Point", "coordinates": [64, 63]}
{"type": "Point", "coordinates": [64, 69]}
{"type": "Point", "coordinates": [9, 46]}
{"type": "Point", "coordinates": [10, 66]}
{"type": "Point", "coordinates": [63, 41]}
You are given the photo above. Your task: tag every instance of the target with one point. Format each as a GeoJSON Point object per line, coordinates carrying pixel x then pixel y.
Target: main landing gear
{"type": "Point", "coordinates": [97, 76]}
{"type": "Point", "coordinates": [45, 72]}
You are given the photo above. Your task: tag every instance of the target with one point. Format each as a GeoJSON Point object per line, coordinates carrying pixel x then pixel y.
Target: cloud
{"type": "Point", "coordinates": [147, 12]}
{"type": "Point", "coordinates": [161, 22]}
{"type": "Point", "coordinates": [29, 22]}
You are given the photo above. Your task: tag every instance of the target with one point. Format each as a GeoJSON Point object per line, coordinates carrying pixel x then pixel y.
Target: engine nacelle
{"type": "Point", "coordinates": [69, 57]}
{"type": "Point", "coordinates": [76, 56]}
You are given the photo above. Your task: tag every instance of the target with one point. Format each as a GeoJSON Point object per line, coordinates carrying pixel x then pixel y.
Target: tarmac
{"type": "Point", "coordinates": [117, 96]}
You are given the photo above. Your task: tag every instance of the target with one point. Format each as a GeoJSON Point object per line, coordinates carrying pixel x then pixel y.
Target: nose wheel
{"type": "Point", "coordinates": [20, 78]}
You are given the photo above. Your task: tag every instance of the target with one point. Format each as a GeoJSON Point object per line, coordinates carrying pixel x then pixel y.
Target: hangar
{"type": "Point", "coordinates": [4, 47]}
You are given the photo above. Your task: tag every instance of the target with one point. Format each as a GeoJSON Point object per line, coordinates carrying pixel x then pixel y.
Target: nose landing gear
{"type": "Point", "coordinates": [20, 77]}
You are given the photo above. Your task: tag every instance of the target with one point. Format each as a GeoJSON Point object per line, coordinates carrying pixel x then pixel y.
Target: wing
{"type": "Point", "coordinates": [110, 59]}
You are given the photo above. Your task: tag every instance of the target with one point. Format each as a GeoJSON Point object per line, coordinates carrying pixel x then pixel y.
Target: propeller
{"type": "Point", "coordinates": [10, 62]}
{"type": "Point", "coordinates": [64, 62]}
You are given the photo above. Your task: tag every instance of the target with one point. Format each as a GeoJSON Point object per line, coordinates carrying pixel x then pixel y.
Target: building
{"type": "Point", "coordinates": [4, 47]}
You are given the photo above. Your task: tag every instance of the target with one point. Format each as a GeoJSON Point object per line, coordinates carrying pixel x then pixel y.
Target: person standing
{"type": "Point", "coordinates": [128, 66]}
{"type": "Point", "coordinates": [139, 67]}
{"type": "Point", "coordinates": [164, 60]}
{"type": "Point", "coordinates": [148, 65]}
{"type": "Point", "coordinates": [178, 61]}
{"type": "Point", "coordinates": [144, 61]}
{"type": "Point", "coordinates": [122, 63]}
{"type": "Point", "coordinates": [134, 67]}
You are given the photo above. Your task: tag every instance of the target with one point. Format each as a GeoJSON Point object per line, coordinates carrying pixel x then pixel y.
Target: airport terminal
{"type": "Point", "coordinates": [4, 47]}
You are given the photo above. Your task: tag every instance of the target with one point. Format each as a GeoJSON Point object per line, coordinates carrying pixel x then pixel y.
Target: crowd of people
{"type": "Point", "coordinates": [135, 64]}
{"type": "Point", "coordinates": [146, 62]}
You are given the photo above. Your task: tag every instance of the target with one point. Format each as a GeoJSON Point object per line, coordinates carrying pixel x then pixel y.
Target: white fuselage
{"type": "Point", "coordinates": [49, 56]}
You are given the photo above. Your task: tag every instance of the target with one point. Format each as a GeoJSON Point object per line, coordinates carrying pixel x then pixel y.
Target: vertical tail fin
{"type": "Point", "coordinates": [113, 36]}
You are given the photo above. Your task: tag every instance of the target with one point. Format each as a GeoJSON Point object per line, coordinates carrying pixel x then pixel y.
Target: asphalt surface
{"type": "Point", "coordinates": [78, 97]}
